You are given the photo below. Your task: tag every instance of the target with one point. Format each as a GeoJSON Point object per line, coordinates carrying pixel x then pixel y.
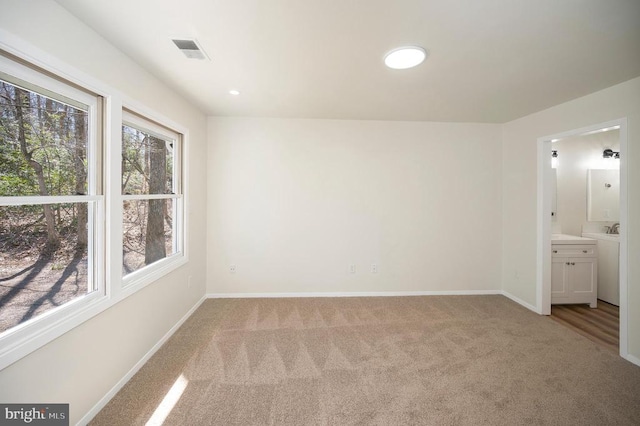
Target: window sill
{"type": "Point", "coordinates": [26, 338]}
{"type": "Point", "coordinates": [139, 279]}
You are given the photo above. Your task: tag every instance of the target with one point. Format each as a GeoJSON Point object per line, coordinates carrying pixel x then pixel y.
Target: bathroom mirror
{"type": "Point", "coordinates": [603, 195]}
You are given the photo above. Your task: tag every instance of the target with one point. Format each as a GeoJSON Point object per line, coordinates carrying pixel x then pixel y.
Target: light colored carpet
{"type": "Point", "coordinates": [435, 360]}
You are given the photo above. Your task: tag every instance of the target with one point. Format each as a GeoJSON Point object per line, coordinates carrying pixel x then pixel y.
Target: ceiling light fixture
{"type": "Point", "coordinates": [405, 57]}
{"type": "Point", "coordinates": [234, 92]}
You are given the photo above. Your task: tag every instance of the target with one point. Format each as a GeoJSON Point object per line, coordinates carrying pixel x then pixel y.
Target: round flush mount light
{"type": "Point", "coordinates": [234, 92]}
{"type": "Point", "coordinates": [405, 57]}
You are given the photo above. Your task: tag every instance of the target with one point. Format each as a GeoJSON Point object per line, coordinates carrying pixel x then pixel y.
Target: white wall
{"type": "Point", "coordinates": [81, 366]}
{"type": "Point", "coordinates": [293, 202]}
{"type": "Point", "coordinates": [576, 155]}
{"type": "Point", "coordinates": [520, 188]}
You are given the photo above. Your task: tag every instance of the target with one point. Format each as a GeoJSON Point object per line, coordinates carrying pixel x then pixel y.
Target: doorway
{"type": "Point", "coordinates": [546, 206]}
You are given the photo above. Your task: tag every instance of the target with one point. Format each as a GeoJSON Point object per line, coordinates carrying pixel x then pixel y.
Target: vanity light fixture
{"type": "Point", "coordinates": [609, 153]}
{"type": "Point", "coordinates": [405, 57]}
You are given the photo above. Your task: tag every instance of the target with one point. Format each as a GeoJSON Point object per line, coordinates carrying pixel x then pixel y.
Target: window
{"type": "Point", "coordinates": [79, 202]}
{"type": "Point", "coordinates": [152, 223]}
{"type": "Point", "coordinates": [50, 198]}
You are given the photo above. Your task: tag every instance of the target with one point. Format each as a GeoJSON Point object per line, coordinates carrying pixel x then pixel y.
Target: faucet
{"type": "Point", "coordinates": [614, 229]}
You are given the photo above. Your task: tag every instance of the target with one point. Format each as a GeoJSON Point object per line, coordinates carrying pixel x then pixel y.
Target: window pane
{"type": "Point", "coordinates": [43, 144]}
{"type": "Point", "coordinates": [148, 232]}
{"type": "Point", "coordinates": [147, 163]}
{"type": "Point", "coordinates": [43, 259]}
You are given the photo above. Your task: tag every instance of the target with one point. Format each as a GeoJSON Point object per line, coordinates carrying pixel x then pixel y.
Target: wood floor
{"type": "Point", "coordinates": [601, 324]}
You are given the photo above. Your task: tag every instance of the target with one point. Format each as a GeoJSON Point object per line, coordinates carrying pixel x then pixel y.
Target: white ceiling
{"type": "Point", "coordinates": [489, 61]}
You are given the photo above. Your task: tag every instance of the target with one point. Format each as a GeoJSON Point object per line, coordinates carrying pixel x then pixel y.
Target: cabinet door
{"type": "Point", "coordinates": [582, 276]}
{"type": "Point", "coordinates": [608, 270]}
{"type": "Point", "coordinates": [559, 280]}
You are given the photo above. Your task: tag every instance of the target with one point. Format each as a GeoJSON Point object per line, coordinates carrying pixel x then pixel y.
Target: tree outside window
{"type": "Point", "coordinates": [151, 194]}
{"type": "Point", "coordinates": [46, 211]}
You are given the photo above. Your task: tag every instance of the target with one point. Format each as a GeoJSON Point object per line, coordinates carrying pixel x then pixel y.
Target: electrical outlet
{"type": "Point", "coordinates": [352, 268]}
{"type": "Point", "coordinates": [374, 268]}
{"type": "Point", "coordinates": [232, 269]}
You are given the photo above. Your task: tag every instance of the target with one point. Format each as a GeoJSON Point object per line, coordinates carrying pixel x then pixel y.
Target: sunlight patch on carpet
{"type": "Point", "coordinates": [168, 402]}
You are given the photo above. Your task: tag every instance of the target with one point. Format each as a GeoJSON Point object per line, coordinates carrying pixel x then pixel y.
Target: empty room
{"type": "Point", "coordinates": [292, 212]}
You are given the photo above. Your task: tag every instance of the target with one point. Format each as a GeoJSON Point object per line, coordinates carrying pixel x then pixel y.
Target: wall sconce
{"type": "Point", "coordinates": [609, 153]}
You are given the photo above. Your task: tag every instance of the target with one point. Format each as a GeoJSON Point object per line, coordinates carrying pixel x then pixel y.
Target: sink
{"type": "Point", "coordinates": [602, 236]}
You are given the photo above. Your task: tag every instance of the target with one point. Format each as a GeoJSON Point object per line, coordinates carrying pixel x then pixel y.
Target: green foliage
{"type": "Point", "coordinates": [16, 177]}
{"type": "Point", "coordinates": [43, 151]}
{"type": "Point", "coordinates": [52, 139]}
{"type": "Point", "coordinates": [137, 147]}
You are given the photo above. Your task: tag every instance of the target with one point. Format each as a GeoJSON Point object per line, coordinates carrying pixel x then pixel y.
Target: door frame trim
{"type": "Point", "coordinates": [543, 269]}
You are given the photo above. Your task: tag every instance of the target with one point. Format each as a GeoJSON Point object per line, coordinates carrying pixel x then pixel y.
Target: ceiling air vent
{"type": "Point", "coordinates": [190, 48]}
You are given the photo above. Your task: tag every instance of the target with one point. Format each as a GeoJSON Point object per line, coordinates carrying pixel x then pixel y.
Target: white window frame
{"type": "Point", "coordinates": [42, 324]}
{"type": "Point", "coordinates": [147, 273]}
{"type": "Point", "coordinates": [109, 215]}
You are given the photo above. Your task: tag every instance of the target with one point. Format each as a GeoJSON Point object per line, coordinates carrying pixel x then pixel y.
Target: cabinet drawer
{"type": "Point", "coordinates": [574, 250]}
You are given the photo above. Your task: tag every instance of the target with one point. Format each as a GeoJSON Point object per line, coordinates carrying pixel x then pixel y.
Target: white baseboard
{"type": "Point", "coordinates": [374, 294]}
{"type": "Point", "coordinates": [520, 301]}
{"type": "Point", "coordinates": [114, 390]}
{"type": "Point", "coordinates": [352, 294]}
{"type": "Point", "coordinates": [632, 359]}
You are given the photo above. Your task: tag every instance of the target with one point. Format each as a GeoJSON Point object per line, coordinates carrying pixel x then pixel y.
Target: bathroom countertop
{"type": "Point", "coordinates": [571, 239]}
{"type": "Point", "coordinates": [602, 236]}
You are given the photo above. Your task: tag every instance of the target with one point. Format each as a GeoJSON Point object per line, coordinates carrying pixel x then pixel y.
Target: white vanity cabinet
{"type": "Point", "coordinates": [574, 270]}
{"type": "Point", "coordinates": [608, 266]}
